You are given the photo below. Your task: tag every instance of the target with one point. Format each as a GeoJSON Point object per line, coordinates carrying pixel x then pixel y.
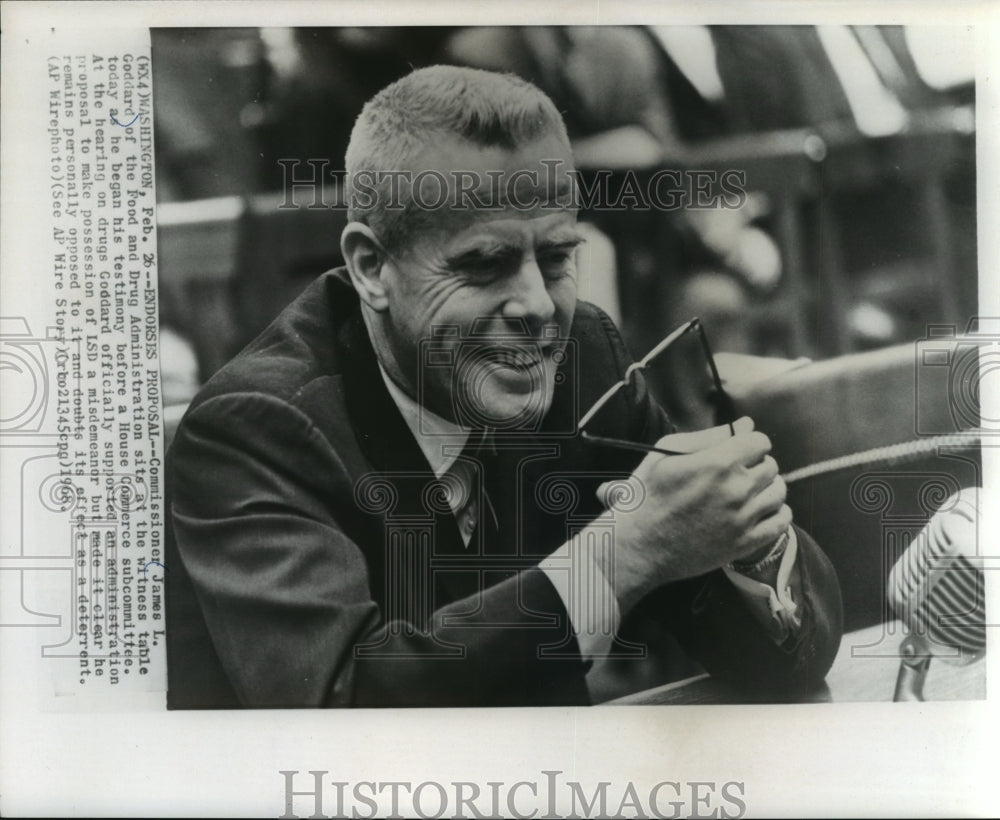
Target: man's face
{"type": "Point", "coordinates": [504, 278]}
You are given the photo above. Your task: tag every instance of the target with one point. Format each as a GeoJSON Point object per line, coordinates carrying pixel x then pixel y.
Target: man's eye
{"type": "Point", "coordinates": [489, 267]}
{"type": "Point", "coordinates": [556, 263]}
{"type": "Point", "coordinates": [553, 263]}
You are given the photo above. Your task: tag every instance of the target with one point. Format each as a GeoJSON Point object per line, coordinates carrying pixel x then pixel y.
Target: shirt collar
{"type": "Point", "coordinates": [431, 431]}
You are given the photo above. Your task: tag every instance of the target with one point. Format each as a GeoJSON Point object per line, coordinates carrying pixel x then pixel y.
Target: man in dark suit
{"type": "Point", "coordinates": [383, 500]}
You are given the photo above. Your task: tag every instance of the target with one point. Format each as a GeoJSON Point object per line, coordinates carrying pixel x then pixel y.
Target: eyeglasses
{"type": "Point", "coordinates": [695, 326]}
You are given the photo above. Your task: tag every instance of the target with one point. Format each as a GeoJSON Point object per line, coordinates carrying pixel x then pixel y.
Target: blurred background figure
{"type": "Point", "coordinates": [856, 228]}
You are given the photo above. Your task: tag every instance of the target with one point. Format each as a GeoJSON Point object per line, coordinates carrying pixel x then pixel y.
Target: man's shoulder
{"type": "Point", "coordinates": [590, 318]}
{"type": "Point", "coordinates": [598, 336]}
{"type": "Point", "coordinates": [305, 343]}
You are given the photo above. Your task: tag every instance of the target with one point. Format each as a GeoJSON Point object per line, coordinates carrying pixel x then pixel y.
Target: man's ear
{"type": "Point", "coordinates": [364, 258]}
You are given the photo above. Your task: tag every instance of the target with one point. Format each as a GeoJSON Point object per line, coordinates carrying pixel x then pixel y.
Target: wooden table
{"type": "Point", "coordinates": [864, 670]}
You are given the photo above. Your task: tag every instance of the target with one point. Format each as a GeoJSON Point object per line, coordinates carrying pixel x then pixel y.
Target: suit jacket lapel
{"type": "Point", "coordinates": [384, 436]}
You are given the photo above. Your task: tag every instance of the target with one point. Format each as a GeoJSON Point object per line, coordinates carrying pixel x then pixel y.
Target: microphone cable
{"type": "Point", "coordinates": [888, 454]}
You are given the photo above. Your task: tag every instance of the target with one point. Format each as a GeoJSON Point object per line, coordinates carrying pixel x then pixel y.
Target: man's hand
{"type": "Point", "coordinates": [722, 501]}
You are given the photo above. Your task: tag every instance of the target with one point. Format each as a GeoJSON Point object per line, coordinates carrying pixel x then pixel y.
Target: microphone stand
{"type": "Point", "coordinates": [913, 667]}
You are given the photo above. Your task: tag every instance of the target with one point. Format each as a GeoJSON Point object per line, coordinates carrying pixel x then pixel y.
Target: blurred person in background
{"type": "Point", "coordinates": [634, 97]}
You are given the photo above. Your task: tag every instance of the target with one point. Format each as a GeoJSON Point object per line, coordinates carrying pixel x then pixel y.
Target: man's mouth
{"type": "Point", "coordinates": [515, 358]}
{"type": "Point", "coordinates": [504, 386]}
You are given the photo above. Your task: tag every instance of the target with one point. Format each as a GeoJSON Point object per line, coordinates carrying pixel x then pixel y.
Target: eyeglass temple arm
{"type": "Point", "coordinates": [695, 323]}
{"type": "Point", "coordinates": [630, 445]}
{"type": "Point", "coordinates": [642, 364]}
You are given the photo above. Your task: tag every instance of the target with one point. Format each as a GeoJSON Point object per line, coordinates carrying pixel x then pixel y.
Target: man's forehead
{"type": "Point", "coordinates": [512, 229]}
{"type": "Point", "coordinates": [464, 175]}
{"type": "Point", "coordinates": [546, 185]}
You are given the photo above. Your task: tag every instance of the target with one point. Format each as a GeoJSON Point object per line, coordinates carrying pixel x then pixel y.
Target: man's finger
{"type": "Point", "coordinates": [768, 501]}
{"type": "Point", "coordinates": [768, 530]}
{"type": "Point", "coordinates": [762, 474]}
{"type": "Point", "coordinates": [746, 449]}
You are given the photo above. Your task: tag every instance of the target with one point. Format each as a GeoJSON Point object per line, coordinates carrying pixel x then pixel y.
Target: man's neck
{"type": "Point", "coordinates": [439, 439]}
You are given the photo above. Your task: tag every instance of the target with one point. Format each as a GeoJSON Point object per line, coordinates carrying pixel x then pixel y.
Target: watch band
{"type": "Point", "coordinates": [772, 557]}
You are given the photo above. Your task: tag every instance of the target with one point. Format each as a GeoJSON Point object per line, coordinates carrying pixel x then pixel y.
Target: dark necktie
{"type": "Point", "coordinates": [495, 486]}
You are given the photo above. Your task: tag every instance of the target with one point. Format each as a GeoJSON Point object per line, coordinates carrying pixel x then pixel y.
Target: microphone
{"type": "Point", "coordinates": [937, 589]}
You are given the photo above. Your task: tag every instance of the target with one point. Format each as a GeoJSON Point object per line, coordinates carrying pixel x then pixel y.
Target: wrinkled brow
{"type": "Point", "coordinates": [493, 250]}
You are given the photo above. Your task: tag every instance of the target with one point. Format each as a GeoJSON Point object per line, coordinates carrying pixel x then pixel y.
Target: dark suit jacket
{"type": "Point", "coordinates": [311, 563]}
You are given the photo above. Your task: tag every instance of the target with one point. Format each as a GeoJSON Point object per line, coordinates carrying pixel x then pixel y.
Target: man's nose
{"type": "Point", "coordinates": [528, 297]}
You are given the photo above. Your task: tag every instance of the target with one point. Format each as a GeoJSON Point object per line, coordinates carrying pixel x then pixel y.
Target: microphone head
{"type": "Point", "coordinates": [937, 587]}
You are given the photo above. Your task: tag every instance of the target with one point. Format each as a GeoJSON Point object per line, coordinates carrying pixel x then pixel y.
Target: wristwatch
{"type": "Point", "coordinates": [772, 557]}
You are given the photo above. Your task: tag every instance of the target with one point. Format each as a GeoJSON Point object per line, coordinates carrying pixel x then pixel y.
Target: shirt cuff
{"type": "Point", "coordinates": [589, 598]}
{"type": "Point", "coordinates": [774, 607]}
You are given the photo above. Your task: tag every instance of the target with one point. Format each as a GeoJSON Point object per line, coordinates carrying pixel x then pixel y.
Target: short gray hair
{"type": "Point", "coordinates": [485, 108]}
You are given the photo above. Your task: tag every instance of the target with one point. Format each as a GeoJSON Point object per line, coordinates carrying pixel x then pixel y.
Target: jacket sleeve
{"type": "Point", "coordinates": [713, 623]}
{"type": "Point", "coordinates": [259, 500]}
{"type": "Point", "coordinates": [709, 616]}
